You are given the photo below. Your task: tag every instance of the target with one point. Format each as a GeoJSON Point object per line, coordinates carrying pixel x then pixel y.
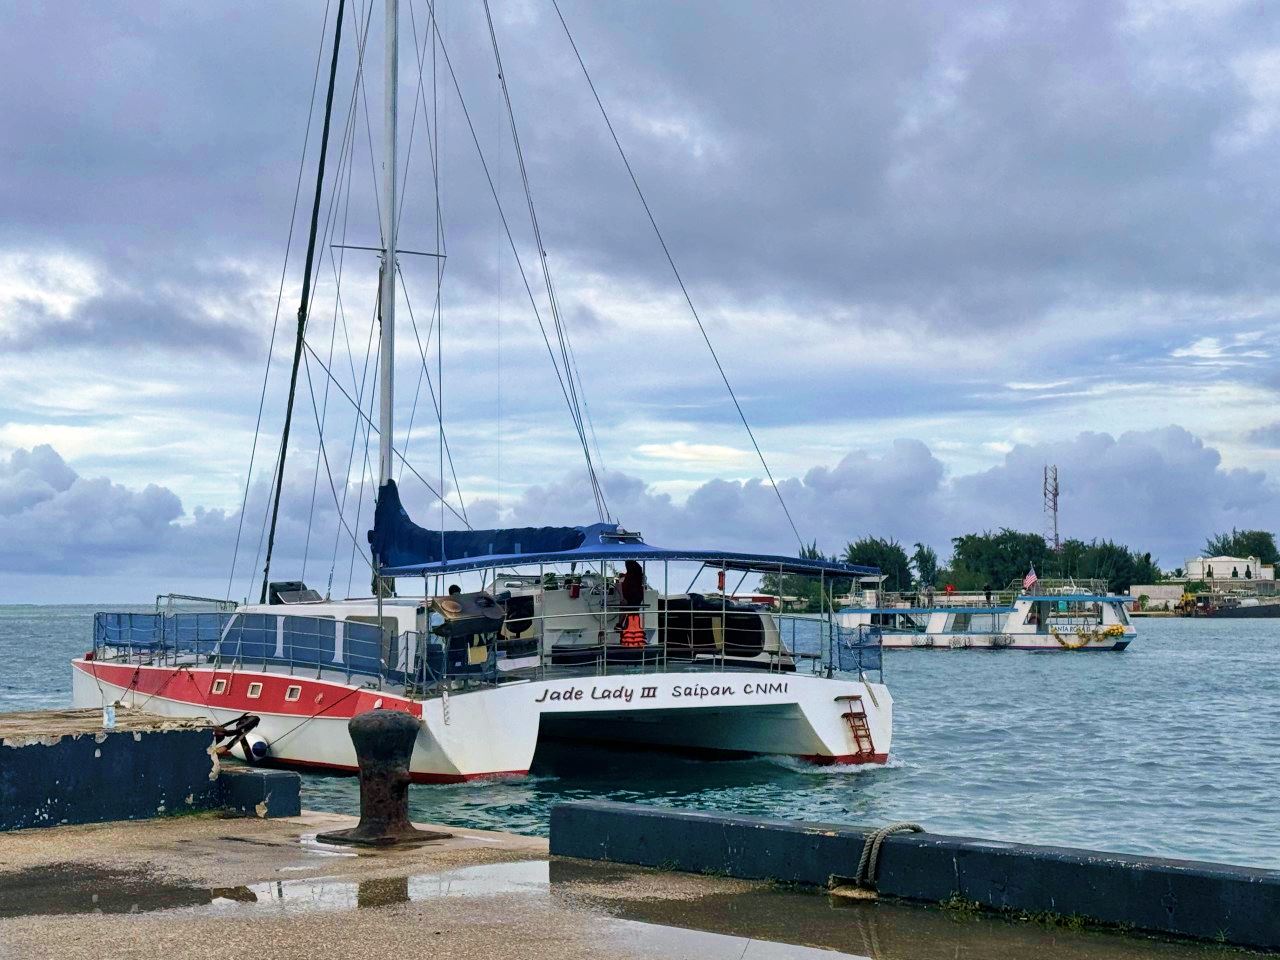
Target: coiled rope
{"type": "Point", "coordinates": [869, 862]}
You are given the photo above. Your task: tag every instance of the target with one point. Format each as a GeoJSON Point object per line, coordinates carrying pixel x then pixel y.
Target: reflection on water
{"type": "Point", "coordinates": [1170, 748]}
{"type": "Point", "coordinates": [633, 907]}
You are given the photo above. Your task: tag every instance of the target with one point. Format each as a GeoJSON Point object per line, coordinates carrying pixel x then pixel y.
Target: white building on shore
{"type": "Point", "coordinates": [1231, 572]}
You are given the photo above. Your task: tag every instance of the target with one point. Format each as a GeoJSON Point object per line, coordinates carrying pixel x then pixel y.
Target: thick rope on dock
{"type": "Point", "coordinates": [869, 862]}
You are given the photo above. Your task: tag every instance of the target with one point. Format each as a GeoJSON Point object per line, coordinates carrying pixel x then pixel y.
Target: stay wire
{"type": "Point", "coordinates": [284, 272]}
{"type": "Point", "coordinates": [373, 427]}
{"type": "Point", "coordinates": [305, 306]}
{"type": "Point", "coordinates": [327, 469]}
{"type": "Point", "coordinates": [431, 389]}
{"type": "Point", "coordinates": [524, 278]}
{"type": "Point", "coordinates": [675, 270]}
{"type": "Point", "coordinates": [552, 300]}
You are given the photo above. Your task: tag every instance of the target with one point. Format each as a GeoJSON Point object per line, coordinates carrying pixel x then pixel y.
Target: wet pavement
{"type": "Point", "coordinates": [206, 887]}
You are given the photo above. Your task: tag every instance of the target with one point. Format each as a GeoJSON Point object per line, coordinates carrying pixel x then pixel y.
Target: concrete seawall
{"type": "Point", "coordinates": [1208, 901]}
{"type": "Point", "coordinates": [62, 767]}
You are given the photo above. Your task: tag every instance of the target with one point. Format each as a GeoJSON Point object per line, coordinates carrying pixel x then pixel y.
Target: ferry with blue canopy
{"type": "Point", "coordinates": [1052, 615]}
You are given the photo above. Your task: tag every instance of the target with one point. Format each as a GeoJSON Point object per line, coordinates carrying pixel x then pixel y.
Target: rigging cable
{"type": "Point", "coordinates": [524, 278]}
{"type": "Point", "coordinates": [373, 427]}
{"type": "Point", "coordinates": [344, 196]}
{"type": "Point", "coordinates": [433, 132]}
{"type": "Point", "coordinates": [439, 412]}
{"type": "Point", "coordinates": [306, 291]}
{"type": "Point", "coordinates": [297, 193]}
{"type": "Point", "coordinates": [680, 280]}
{"type": "Point", "coordinates": [552, 300]}
{"type": "Point", "coordinates": [418, 94]}
{"type": "Point", "coordinates": [352, 113]}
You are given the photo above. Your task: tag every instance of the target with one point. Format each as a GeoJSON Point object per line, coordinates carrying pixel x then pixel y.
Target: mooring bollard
{"type": "Point", "coordinates": [384, 743]}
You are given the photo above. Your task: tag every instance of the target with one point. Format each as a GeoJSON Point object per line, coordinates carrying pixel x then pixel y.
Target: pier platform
{"type": "Point", "coordinates": [1211, 902]}
{"type": "Point", "coordinates": [62, 767]}
{"type": "Point", "coordinates": [201, 886]}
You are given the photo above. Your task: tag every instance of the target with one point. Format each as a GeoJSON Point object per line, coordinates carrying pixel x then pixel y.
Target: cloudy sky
{"type": "Point", "coordinates": [936, 247]}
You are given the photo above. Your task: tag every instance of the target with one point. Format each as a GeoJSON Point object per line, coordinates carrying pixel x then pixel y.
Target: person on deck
{"type": "Point", "coordinates": [630, 592]}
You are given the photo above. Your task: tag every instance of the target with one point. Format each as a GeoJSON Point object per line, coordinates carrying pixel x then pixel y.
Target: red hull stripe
{"type": "Point", "coordinates": [276, 693]}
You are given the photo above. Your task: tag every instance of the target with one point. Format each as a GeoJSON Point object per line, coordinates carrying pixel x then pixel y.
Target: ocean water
{"type": "Point", "coordinates": [1170, 748]}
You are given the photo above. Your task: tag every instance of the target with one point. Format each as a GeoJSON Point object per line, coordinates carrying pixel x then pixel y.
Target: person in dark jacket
{"type": "Point", "coordinates": [630, 592]}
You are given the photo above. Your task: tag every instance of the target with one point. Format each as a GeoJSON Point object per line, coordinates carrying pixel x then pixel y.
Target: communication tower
{"type": "Point", "coordinates": [1051, 507]}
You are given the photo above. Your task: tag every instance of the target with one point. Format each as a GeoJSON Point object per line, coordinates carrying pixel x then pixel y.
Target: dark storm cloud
{"type": "Point", "coordinates": [970, 168]}
{"type": "Point", "coordinates": [929, 163]}
{"type": "Point", "coordinates": [129, 322]}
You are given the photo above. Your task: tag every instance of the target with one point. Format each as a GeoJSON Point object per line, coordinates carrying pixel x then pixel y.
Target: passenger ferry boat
{"type": "Point", "coordinates": [550, 642]}
{"type": "Point", "coordinates": [1064, 615]}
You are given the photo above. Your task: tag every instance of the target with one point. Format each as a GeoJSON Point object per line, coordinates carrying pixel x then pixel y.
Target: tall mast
{"type": "Point", "coordinates": [386, 356]}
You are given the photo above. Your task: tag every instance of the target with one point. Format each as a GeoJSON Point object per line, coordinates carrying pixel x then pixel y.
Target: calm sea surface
{"type": "Point", "coordinates": [1172, 747]}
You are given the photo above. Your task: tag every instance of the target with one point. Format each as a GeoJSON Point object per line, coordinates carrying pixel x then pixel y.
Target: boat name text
{"type": "Point", "coordinates": [627, 693]}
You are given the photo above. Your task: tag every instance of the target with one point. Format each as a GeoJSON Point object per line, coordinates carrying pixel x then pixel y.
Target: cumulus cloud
{"type": "Point", "coordinates": [1267, 435]}
{"type": "Point", "coordinates": [1159, 490]}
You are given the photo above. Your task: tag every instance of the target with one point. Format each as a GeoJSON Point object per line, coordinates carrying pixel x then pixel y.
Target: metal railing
{"type": "Point", "coordinates": [239, 640]}
{"type": "Point", "coordinates": [425, 664]}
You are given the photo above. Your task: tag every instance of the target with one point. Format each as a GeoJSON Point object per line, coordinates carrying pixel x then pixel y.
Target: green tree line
{"type": "Point", "coordinates": [980, 560]}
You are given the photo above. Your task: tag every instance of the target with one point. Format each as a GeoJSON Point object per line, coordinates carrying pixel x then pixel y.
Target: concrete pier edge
{"type": "Point", "coordinates": [62, 767]}
{"type": "Point", "coordinates": [1184, 898]}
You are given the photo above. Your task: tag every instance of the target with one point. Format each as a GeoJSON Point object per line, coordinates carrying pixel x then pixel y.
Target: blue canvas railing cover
{"type": "Point", "coordinates": [251, 638]}
{"type": "Point", "coordinates": [132, 630]}
{"type": "Point", "coordinates": [858, 650]}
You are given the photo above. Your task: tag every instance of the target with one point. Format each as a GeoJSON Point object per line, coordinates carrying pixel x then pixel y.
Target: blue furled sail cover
{"type": "Point", "coordinates": [397, 541]}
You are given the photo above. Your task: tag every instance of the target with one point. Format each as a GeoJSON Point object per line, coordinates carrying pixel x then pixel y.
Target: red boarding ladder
{"type": "Point", "coordinates": [856, 718]}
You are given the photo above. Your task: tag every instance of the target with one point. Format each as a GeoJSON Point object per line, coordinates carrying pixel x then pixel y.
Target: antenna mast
{"type": "Point", "coordinates": [387, 300]}
{"type": "Point", "coordinates": [1051, 506]}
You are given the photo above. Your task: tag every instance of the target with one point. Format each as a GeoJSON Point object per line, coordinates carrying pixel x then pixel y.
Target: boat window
{"type": "Point", "coordinates": [219, 686]}
{"type": "Point", "coordinates": [293, 693]}
{"type": "Point", "coordinates": [982, 622]}
{"type": "Point", "coordinates": [959, 622]}
{"type": "Point", "coordinates": [1122, 615]}
{"type": "Point", "coordinates": [255, 691]}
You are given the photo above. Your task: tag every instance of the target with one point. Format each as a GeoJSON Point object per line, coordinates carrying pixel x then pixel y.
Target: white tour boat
{"type": "Point", "coordinates": [1050, 615]}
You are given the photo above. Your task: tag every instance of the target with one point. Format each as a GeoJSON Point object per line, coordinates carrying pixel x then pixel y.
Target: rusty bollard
{"type": "Point", "coordinates": [384, 743]}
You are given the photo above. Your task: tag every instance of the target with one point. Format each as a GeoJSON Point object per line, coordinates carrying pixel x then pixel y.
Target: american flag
{"type": "Point", "coordinates": [1030, 580]}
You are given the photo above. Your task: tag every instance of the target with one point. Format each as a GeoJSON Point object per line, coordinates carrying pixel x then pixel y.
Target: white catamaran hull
{"type": "Point", "coordinates": [495, 731]}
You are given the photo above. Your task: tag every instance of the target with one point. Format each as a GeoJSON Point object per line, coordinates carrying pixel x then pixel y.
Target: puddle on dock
{"type": "Point", "coordinates": [759, 923]}
{"type": "Point", "coordinates": [62, 888]}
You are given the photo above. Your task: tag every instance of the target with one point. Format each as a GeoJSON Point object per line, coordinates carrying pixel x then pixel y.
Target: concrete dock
{"type": "Point", "coordinates": [263, 889]}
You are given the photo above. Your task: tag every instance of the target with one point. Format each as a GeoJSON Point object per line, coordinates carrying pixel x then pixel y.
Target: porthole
{"type": "Point", "coordinates": [219, 686]}
{"type": "Point", "coordinates": [255, 691]}
{"type": "Point", "coordinates": [293, 693]}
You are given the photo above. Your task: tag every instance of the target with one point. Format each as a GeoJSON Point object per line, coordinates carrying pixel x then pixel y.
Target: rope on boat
{"type": "Point", "coordinates": [869, 863]}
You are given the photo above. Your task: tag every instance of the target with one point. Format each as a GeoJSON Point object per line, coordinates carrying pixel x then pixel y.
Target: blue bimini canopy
{"type": "Point", "coordinates": [403, 549]}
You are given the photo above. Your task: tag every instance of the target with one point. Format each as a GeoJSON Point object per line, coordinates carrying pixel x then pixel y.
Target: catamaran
{"type": "Point", "coordinates": [584, 633]}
